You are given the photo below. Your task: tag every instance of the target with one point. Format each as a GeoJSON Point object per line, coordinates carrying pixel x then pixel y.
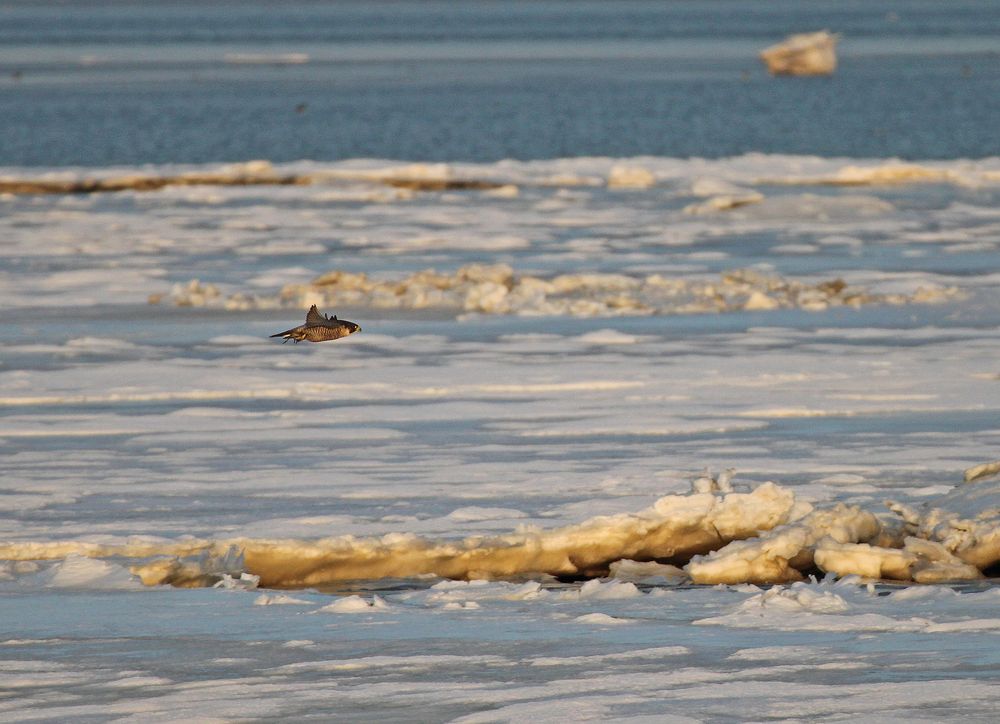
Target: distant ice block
{"type": "Point", "coordinates": [803, 54]}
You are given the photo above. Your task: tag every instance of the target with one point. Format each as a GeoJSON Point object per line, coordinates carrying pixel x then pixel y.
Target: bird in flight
{"type": "Point", "coordinates": [319, 328]}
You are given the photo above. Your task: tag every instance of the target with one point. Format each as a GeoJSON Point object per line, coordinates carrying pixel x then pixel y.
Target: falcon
{"type": "Point", "coordinates": [319, 328]}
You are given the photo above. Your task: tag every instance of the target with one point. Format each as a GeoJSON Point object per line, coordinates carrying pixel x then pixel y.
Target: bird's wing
{"type": "Point", "coordinates": [314, 317]}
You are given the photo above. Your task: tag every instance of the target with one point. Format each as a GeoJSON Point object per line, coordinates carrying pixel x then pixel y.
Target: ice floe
{"type": "Point", "coordinates": [497, 289]}
{"type": "Point", "coordinates": [763, 536]}
{"type": "Point", "coordinates": [162, 443]}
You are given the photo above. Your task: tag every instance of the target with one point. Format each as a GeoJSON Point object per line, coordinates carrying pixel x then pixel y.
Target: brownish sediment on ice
{"type": "Point", "coordinates": [413, 178]}
{"type": "Point", "coordinates": [144, 183]}
{"type": "Point", "coordinates": [254, 173]}
{"type": "Point", "coordinates": [426, 184]}
{"type": "Point", "coordinates": [154, 183]}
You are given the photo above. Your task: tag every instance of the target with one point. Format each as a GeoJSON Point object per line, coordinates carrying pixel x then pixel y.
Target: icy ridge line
{"type": "Point", "coordinates": [497, 289]}
{"type": "Point", "coordinates": [507, 175]}
{"type": "Point", "coordinates": [720, 536]}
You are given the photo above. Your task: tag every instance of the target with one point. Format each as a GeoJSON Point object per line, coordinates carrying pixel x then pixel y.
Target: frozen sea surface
{"type": "Point", "coordinates": [133, 432]}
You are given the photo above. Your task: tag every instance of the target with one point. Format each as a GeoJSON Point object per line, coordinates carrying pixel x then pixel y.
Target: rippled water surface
{"type": "Point", "coordinates": [100, 83]}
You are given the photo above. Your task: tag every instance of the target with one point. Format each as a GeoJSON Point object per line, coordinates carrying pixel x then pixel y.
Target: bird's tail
{"type": "Point", "coordinates": [287, 334]}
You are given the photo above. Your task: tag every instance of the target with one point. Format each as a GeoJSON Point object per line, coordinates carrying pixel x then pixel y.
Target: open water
{"type": "Point", "coordinates": [98, 83]}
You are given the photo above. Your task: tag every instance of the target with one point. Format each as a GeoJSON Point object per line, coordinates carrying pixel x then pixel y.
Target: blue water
{"type": "Point", "coordinates": [99, 83]}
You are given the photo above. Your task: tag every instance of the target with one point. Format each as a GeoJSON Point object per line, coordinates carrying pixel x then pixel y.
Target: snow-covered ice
{"type": "Point", "coordinates": [687, 440]}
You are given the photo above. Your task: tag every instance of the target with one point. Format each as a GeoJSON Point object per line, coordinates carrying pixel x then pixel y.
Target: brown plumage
{"type": "Point", "coordinates": [319, 328]}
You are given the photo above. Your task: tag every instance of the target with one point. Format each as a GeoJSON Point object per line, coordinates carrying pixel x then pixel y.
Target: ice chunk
{"type": "Point", "coordinates": [724, 202]}
{"type": "Point", "coordinates": [785, 552]}
{"type": "Point", "coordinates": [706, 187]}
{"type": "Point", "coordinates": [476, 513]}
{"type": "Point", "coordinates": [966, 521]}
{"type": "Point", "coordinates": [864, 560]}
{"type": "Point", "coordinates": [796, 599]}
{"type": "Point", "coordinates": [889, 173]}
{"type": "Point", "coordinates": [630, 177]}
{"type": "Point", "coordinates": [675, 528]}
{"type": "Point", "coordinates": [355, 604]}
{"type": "Point", "coordinates": [242, 582]}
{"type": "Point", "coordinates": [803, 54]}
{"type": "Point", "coordinates": [986, 470]}
{"type": "Point", "coordinates": [497, 289]}
{"type": "Point", "coordinates": [759, 301]}
{"type": "Point", "coordinates": [600, 619]}
{"type": "Point", "coordinates": [507, 191]}
{"type": "Point", "coordinates": [279, 599]}
{"type": "Point", "coordinates": [936, 564]}
{"type": "Point", "coordinates": [207, 569]}
{"type": "Point", "coordinates": [706, 483]}
{"type": "Point", "coordinates": [636, 571]}
{"type": "Point", "coordinates": [602, 337]}
{"type": "Point", "coordinates": [598, 590]}
{"type": "Point", "coordinates": [461, 606]}
{"type": "Point", "coordinates": [764, 536]}
{"type": "Point", "coordinates": [79, 572]}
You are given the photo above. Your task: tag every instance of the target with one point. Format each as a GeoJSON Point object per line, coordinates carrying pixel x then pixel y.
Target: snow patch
{"type": "Point", "coordinates": [355, 604]}
{"type": "Point", "coordinates": [600, 619]}
{"type": "Point", "coordinates": [79, 572]}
